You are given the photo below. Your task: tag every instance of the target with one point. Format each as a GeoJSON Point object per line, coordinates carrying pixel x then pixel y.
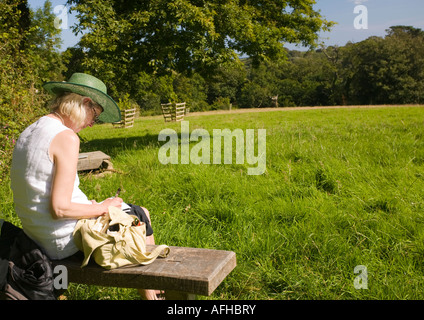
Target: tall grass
{"type": "Point", "coordinates": [343, 187]}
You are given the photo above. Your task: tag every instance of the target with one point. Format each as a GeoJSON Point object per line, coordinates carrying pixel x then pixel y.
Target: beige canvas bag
{"type": "Point", "coordinates": [113, 249]}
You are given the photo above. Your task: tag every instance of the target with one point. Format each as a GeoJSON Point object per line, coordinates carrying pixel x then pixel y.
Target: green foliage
{"type": "Point", "coordinates": [157, 51]}
{"type": "Point", "coordinates": [225, 82]}
{"type": "Point", "coordinates": [377, 70]}
{"type": "Point", "coordinates": [125, 103]}
{"type": "Point", "coordinates": [221, 104]}
{"type": "Point", "coordinates": [160, 35]}
{"type": "Point", "coordinates": [28, 57]}
{"type": "Point", "coordinates": [123, 41]}
{"type": "Point", "coordinates": [45, 43]}
{"type": "Point", "coordinates": [380, 70]}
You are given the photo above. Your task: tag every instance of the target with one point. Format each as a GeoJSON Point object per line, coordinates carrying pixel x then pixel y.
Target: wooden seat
{"type": "Point", "coordinates": [185, 273]}
{"type": "Point", "coordinates": [91, 160]}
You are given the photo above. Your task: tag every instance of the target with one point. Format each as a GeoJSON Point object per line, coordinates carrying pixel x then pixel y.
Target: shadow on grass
{"type": "Point", "coordinates": [115, 146]}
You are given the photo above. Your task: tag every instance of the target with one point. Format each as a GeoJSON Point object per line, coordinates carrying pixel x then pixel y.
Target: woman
{"type": "Point", "coordinates": [44, 177]}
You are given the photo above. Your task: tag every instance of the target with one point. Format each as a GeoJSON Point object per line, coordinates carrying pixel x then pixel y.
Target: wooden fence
{"type": "Point", "coordinates": [173, 111]}
{"type": "Point", "coordinates": [127, 119]}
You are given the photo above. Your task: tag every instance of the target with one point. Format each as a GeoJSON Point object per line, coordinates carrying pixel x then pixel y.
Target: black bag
{"type": "Point", "coordinates": [7, 237]}
{"type": "Point", "coordinates": [29, 274]}
{"type": "Point", "coordinates": [139, 212]}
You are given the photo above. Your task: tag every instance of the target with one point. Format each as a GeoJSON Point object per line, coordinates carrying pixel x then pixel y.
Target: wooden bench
{"type": "Point", "coordinates": [185, 273]}
{"type": "Point", "coordinates": [91, 160]}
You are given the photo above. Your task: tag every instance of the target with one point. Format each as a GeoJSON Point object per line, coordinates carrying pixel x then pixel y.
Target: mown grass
{"type": "Point", "coordinates": [342, 187]}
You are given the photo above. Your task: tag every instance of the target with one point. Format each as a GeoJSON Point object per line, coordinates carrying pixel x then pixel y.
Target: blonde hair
{"type": "Point", "coordinates": [70, 104]}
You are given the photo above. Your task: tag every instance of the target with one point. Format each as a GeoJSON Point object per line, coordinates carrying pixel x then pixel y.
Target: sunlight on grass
{"type": "Point", "coordinates": [342, 187]}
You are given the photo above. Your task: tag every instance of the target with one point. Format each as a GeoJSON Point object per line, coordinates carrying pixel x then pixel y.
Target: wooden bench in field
{"type": "Point", "coordinates": [91, 160]}
{"type": "Point", "coordinates": [185, 273]}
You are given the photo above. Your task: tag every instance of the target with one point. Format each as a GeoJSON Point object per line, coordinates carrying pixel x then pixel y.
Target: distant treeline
{"type": "Point", "coordinates": [378, 70]}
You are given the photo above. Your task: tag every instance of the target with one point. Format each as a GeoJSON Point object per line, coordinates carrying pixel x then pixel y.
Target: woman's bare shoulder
{"type": "Point", "coordinates": [64, 145]}
{"type": "Point", "coordinates": [67, 136]}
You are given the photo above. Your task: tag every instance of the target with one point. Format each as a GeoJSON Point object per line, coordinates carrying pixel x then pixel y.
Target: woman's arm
{"type": "Point", "coordinates": [64, 151]}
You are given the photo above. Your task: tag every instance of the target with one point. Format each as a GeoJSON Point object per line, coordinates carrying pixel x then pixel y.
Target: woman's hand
{"type": "Point", "coordinates": [113, 202]}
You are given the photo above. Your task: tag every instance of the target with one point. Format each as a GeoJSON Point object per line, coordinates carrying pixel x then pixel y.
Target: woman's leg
{"type": "Point", "coordinates": [150, 239]}
{"type": "Point", "coordinates": [144, 293]}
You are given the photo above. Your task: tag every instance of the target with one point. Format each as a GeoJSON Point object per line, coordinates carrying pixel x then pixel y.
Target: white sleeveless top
{"type": "Point", "coordinates": [31, 180]}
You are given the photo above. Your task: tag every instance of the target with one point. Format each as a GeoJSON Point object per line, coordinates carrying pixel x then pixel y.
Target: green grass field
{"type": "Point", "coordinates": [342, 188]}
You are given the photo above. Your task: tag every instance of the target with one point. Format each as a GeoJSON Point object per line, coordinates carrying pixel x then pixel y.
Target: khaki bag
{"type": "Point", "coordinates": [113, 249]}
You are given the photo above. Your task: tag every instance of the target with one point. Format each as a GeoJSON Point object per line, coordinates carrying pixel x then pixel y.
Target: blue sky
{"type": "Point", "coordinates": [381, 15]}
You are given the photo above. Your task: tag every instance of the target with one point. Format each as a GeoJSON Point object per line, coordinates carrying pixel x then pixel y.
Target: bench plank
{"type": "Point", "coordinates": [186, 270]}
{"type": "Point", "coordinates": [91, 160]}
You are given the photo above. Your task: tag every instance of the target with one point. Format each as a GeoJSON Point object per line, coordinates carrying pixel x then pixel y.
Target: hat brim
{"type": "Point", "coordinates": [111, 111]}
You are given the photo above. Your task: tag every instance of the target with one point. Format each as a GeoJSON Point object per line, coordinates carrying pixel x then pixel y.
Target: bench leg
{"type": "Point", "coordinates": [178, 295]}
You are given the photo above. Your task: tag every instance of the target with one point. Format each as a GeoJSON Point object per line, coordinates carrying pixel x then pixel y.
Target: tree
{"type": "Point", "coordinates": [386, 70]}
{"type": "Point", "coordinates": [192, 90]}
{"type": "Point", "coordinates": [403, 80]}
{"type": "Point", "coordinates": [156, 36]}
{"type": "Point", "coordinates": [225, 82]}
{"type": "Point", "coordinates": [28, 57]}
{"type": "Point", "coordinates": [44, 40]}
{"type": "Point", "coordinates": [378, 70]}
{"type": "Point", "coordinates": [261, 84]}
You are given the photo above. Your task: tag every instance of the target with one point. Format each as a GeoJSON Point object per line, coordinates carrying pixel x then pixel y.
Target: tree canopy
{"type": "Point", "coordinates": [28, 56]}
{"type": "Point", "coordinates": [156, 36]}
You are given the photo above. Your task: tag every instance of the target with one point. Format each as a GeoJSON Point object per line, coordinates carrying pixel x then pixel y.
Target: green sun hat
{"type": "Point", "coordinates": [88, 86]}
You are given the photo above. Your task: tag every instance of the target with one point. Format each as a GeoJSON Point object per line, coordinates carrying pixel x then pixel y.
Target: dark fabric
{"type": "Point", "coordinates": [8, 234]}
{"type": "Point", "coordinates": [29, 273]}
{"type": "Point", "coordinates": [141, 215]}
